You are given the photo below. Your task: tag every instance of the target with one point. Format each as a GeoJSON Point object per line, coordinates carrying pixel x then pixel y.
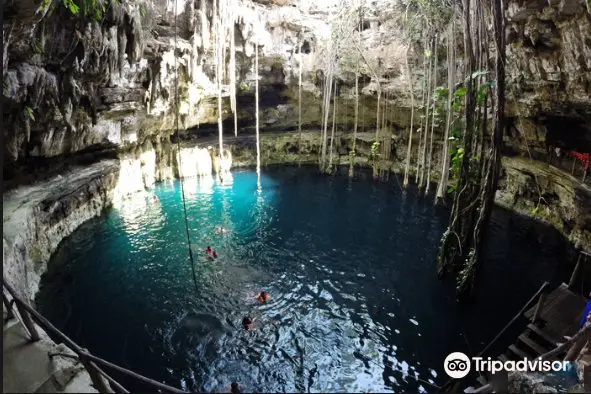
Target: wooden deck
{"type": "Point", "coordinates": [560, 315]}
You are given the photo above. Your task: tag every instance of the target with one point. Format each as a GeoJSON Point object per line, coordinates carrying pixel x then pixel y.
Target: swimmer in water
{"type": "Point", "coordinates": [235, 388]}
{"type": "Point", "coordinates": [247, 323]}
{"type": "Point", "coordinates": [211, 253]}
{"type": "Point", "coordinates": [156, 199]}
{"type": "Point", "coordinates": [263, 297]}
{"type": "Point", "coordinates": [220, 230]}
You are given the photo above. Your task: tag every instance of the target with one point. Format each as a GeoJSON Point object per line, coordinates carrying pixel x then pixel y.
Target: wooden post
{"type": "Point", "coordinates": [27, 321]}
{"type": "Point", "coordinates": [539, 306]}
{"type": "Point", "coordinates": [575, 274]}
{"type": "Point", "coordinates": [97, 380]}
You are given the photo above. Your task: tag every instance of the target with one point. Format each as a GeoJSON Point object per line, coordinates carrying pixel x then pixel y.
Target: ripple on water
{"type": "Point", "coordinates": [348, 265]}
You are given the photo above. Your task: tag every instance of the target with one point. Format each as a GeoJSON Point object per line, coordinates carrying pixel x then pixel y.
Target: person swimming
{"type": "Point", "coordinates": [263, 297]}
{"type": "Point", "coordinates": [235, 388]}
{"type": "Point", "coordinates": [156, 201]}
{"type": "Point", "coordinates": [211, 253]}
{"type": "Point", "coordinates": [247, 323]}
{"type": "Point", "coordinates": [221, 230]}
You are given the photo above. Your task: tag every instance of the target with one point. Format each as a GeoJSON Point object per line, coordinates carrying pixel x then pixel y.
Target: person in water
{"type": "Point", "coordinates": [211, 253]}
{"type": "Point", "coordinates": [235, 388]}
{"type": "Point", "coordinates": [263, 297]}
{"type": "Point", "coordinates": [247, 323]}
{"type": "Point", "coordinates": [220, 230]}
{"type": "Point", "coordinates": [156, 201]}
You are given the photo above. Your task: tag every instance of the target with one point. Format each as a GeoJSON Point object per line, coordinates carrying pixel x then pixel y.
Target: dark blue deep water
{"type": "Point", "coordinates": [350, 266]}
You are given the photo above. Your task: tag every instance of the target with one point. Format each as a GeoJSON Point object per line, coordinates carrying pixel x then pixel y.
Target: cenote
{"type": "Point", "coordinates": [350, 265]}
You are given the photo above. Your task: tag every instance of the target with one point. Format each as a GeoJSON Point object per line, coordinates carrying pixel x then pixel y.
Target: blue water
{"type": "Point", "coordinates": [349, 264]}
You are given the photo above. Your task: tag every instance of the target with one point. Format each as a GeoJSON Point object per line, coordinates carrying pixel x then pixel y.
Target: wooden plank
{"type": "Point", "coordinates": [519, 352]}
{"type": "Point", "coordinates": [542, 334]}
{"type": "Point", "coordinates": [557, 296]}
{"type": "Point", "coordinates": [539, 349]}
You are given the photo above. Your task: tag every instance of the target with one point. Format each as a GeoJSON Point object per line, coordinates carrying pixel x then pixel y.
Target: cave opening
{"type": "Point", "coordinates": [414, 158]}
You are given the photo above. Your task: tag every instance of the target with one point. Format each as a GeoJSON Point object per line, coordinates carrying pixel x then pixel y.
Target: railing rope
{"type": "Point", "coordinates": [539, 306]}
{"type": "Point", "coordinates": [88, 360]}
{"type": "Point", "coordinates": [97, 380]}
{"type": "Point", "coordinates": [527, 304]}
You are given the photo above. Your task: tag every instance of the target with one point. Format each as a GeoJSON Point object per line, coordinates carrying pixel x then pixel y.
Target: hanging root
{"type": "Point", "coordinates": [465, 281]}
{"type": "Point", "coordinates": [442, 261]}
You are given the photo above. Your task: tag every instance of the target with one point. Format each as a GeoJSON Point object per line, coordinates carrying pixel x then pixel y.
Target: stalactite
{"type": "Point", "coordinates": [256, 62]}
{"type": "Point", "coordinates": [334, 118]}
{"type": "Point", "coordinates": [412, 118]}
{"type": "Point", "coordinates": [428, 96]}
{"type": "Point", "coordinates": [423, 117]}
{"type": "Point", "coordinates": [436, 45]}
{"type": "Point", "coordinates": [353, 151]}
{"type": "Point", "coordinates": [451, 65]}
{"type": "Point", "coordinates": [328, 82]}
{"type": "Point", "coordinates": [218, 74]}
{"type": "Point", "coordinates": [300, 104]}
{"type": "Point", "coordinates": [233, 76]}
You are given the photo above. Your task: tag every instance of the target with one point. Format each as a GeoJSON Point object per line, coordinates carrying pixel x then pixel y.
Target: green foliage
{"type": "Point", "coordinates": [243, 86]}
{"type": "Point", "coordinates": [143, 10]}
{"type": "Point", "coordinates": [482, 93]}
{"type": "Point", "coordinates": [29, 113]}
{"type": "Point", "coordinates": [71, 6]}
{"type": "Point", "coordinates": [375, 150]}
{"type": "Point", "coordinates": [91, 9]}
{"type": "Point", "coordinates": [37, 46]}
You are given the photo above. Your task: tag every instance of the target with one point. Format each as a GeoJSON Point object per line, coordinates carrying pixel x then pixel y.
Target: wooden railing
{"type": "Point", "coordinates": [94, 365]}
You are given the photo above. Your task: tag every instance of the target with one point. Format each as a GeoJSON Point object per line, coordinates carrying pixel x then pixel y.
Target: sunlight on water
{"type": "Point", "coordinates": [355, 302]}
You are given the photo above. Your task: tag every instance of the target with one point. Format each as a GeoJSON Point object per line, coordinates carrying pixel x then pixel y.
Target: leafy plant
{"type": "Point", "coordinates": [92, 9]}
{"type": "Point", "coordinates": [37, 46]}
{"type": "Point", "coordinates": [375, 150]}
{"type": "Point", "coordinates": [29, 113]}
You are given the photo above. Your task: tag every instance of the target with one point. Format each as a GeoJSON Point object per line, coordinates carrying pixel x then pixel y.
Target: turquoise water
{"type": "Point", "coordinates": [349, 264]}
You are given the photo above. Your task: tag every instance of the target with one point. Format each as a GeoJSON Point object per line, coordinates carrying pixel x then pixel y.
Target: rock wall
{"type": "Point", "coordinates": [80, 91]}
{"type": "Point", "coordinates": [549, 75]}
{"type": "Point", "coordinates": [37, 218]}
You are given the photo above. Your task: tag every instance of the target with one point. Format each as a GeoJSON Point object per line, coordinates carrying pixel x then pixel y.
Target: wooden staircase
{"type": "Point", "coordinates": [558, 316]}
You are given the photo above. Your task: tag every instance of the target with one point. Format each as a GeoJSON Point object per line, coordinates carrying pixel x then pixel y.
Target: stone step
{"type": "Point", "coordinates": [27, 367]}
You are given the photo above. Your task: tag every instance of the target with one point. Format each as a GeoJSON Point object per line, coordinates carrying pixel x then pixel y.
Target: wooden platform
{"type": "Point", "coordinates": [560, 315]}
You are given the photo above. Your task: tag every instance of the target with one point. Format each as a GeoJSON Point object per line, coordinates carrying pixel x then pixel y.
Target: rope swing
{"type": "Point", "coordinates": [176, 113]}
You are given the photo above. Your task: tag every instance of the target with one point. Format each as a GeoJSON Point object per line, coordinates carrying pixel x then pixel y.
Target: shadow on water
{"type": "Point", "coordinates": [350, 265]}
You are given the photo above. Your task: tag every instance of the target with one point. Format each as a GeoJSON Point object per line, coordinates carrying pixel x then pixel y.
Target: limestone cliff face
{"type": "Point", "coordinates": [549, 73]}
{"type": "Point", "coordinates": [78, 93]}
{"type": "Point", "coordinates": [72, 84]}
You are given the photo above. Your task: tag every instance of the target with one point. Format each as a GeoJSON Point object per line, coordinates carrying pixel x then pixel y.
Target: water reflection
{"type": "Point", "coordinates": [356, 304]}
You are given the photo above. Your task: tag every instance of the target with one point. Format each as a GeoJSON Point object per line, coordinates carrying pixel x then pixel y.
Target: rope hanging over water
{"type": "Point", "coordinates": [176, 113]}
